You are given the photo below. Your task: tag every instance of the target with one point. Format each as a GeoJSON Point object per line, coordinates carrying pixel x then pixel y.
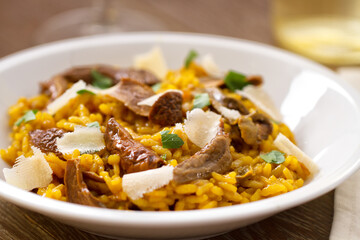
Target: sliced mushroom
{"type": "Point", "coordinates": [46, 139]}
{"type": "Point", "coordinates": [93, 176]}
{"type": "Point", "coordinates": [141, 76]}
{"type": "Point", "coordinates": [131, 93]}
{"type": "Point", "coordinates": [235, 104]}
{"type": "Point", "coordinates": [254, 128]}
{"type": "Point", "coordinates": [264, 125]}
{"type": "Point", "coordinates": [255, 80]}
{"type": "Point", "coordinates": [76, 189]}
{"type": "Point", "coordinates": [214, 157]}
{"type": "Point", "coordinates": [228, 107]}
{"type": "Point", "coordinates": [116, 74]}
{"type": "Point", "coordinates": [84, 73]}
{"type": "Point", "coordinates": [58, 84]}
{"type": "Point", "coordinates": [167, 110]}
{"type": "Point", "coordinates": [95, 183]}
{"type": "Point", "coordinates": [210, 82]}
{"type": "Point", "coordinates": [236, 141]}
{"type": "Point", "coordinates": [216, 95]}
{"type": "Point", "coordinates": [134, 157]}
{"type": "Point", "coordinates": [54, 87]}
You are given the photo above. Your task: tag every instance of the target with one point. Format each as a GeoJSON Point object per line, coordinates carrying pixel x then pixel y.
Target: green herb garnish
{"type": "Point", "coordinates": [100, 81]}
{"type": "Point", "coordinates": [170, 140]}
{"type": "Point", "coordinates": [190, 57]}
{"type": "Point", "coordinates": [273, 157]}
{"type": "Point", "coordinates": [201, 100]}
{"type": "Point", "coordinates": [235, 81]}
{"type": "Point", "coordinates": [156, 87]}
{"type": "Point", "coordinates": [27, 117]}
{"type": "Point", "coordinates": [83, 91]}
{"type": "Point", "coordinates": [163, 156]}
{"type": "Point", "coordinates": [93, 124]}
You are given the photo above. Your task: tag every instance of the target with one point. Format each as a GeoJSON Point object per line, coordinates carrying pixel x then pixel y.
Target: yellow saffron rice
{"type": "Point", "coordinates": [259, 180]}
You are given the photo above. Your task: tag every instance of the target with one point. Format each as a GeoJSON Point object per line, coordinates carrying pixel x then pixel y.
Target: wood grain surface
{"type": "Point", "coordinates": [20, 19]}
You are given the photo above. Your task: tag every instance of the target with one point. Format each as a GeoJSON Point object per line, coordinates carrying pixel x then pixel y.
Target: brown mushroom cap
{"type": "Point", "coordinates": [131, 92]}
{"type": "Point", "coordinates": [54, 87]}
{"type": "Point", "coordinates": [167, 110]}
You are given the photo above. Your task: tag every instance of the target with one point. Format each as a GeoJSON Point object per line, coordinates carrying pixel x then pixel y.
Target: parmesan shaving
{"type": "Point", "coordinates": [135, 185]}
{"type": "Point", "coordinates": [85, 139]}
{"type": "Point", "coordinates": [262, 100]}
{"type": "Point", "coordinates": [209, 65]}
{"type": "Point", "coordinates": [179, 126]}
{"type": "Point", "coordinates": [152, 61]}
{"type": "Point", "coordinates": [29, 173]}
{"type": "Point", "coordinates": [201, 127]}
{"type": "Point", "coordinates": [230, 114]}
{"type": "Point", "coordinates": [151, 100]}
{"type": "Point", "coordinates": [286, 146]}
{"type": "Point", "coordinates": [61, 101]}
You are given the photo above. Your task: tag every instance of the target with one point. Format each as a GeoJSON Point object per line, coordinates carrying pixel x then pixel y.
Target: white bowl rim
{"type": "Point", "coordinates": [101, 216]}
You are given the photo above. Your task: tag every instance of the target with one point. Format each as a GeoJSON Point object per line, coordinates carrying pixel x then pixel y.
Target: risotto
{"type": "Point", "coordinates": [148, 138]}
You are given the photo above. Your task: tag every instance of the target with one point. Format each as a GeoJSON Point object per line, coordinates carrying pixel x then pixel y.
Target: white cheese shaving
{"type": "Point", "coordinates": [286, 146]}
{"type": "Point", "coordinates": [178, 126]}
{"type": "Point", "coordinates": [135, 185]}
{"type": "Point", "coordinates": [61, 101]}
{"type": "Point", "coordinates": [209, 65]}
{"type": "Point", "coordinates": [231, 114]}
{"type": "Point", "coordinates": [152, 61]}
{"type": "Point", "coordinates": [201, 127]}
{"type": "Point", "coordinates": [151, 100]}
{"type": "Point", "coordinates": [85, 139]}
{"type": "Point", "coordinates": [29, 173]}
{"type": "Point", "coordinates": [262, 100]}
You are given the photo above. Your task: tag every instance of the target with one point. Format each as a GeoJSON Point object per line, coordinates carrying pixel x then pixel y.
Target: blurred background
{"type": "Point", "coordinates": [327, 31]}
{"type": "Point", "coordinates": [23, 23]}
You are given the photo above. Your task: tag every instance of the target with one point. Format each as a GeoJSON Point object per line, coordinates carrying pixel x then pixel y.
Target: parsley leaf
{"type": "Point", "coordinates": [156, 87]}
{"type": "Point", "coordinates": [93, 124]}
{"type": "Point", "coordinates": [170, 140]}
{"type": "Point", "coordinates": [100, 81]}
{"type": "Point", "coordinates": [235, 81]}
{"type": "Point", "coordinates": [273, 157]}
{"type": "Point", "coordinates": [82, 91]}
{"type": "Point", "coordinates": [163, 156]}
{"type": "Point", "coordinates": [190, 57]}
{"type": "Point", "coordinates": [201, 100]}
{"type": "Point", "coordinates": [27, 117]}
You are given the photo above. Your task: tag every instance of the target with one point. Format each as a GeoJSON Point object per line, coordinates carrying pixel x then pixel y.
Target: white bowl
{"type": "Point", "coordinates": [321, 109]}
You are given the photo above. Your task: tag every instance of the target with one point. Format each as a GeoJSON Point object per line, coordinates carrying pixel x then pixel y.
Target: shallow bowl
{"type": "Point", "coordinates": [322, 111]}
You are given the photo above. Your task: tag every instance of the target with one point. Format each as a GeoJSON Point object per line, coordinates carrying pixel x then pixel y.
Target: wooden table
{"type": "Point", "coordinates": [19, 19]}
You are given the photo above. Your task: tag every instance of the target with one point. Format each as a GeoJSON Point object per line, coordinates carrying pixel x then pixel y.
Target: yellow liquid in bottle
{"type": "Point", "coordinates": [327, 31]}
